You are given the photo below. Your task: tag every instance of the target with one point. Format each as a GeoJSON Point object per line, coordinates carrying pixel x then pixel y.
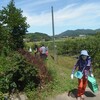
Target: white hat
{"type": "Point", "coordinates": [84, 52]}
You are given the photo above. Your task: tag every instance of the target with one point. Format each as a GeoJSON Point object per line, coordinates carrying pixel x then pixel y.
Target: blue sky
{"type": "Point", "coordinates": [68, 14]}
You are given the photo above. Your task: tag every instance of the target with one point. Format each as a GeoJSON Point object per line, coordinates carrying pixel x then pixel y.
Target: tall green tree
{"type": "Point", "coordinates": [14, 24]}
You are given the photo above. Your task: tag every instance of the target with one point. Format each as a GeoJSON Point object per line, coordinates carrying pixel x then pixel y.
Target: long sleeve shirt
{"type": "Point", "coordinates": [83, 66]}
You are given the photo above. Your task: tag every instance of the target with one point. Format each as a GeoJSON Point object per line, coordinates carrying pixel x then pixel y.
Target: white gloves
{"type": "Point", "coordinates": [72, 76]}
{"type": "Point", "coordinates": [92, 75]}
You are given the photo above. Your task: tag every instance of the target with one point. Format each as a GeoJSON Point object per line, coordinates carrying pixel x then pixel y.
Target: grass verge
{"type": "Point", "coordinates": [60, 71]}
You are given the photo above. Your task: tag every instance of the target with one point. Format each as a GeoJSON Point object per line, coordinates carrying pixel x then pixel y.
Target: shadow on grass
{"type": "Point", "coordinates": [73, 93]}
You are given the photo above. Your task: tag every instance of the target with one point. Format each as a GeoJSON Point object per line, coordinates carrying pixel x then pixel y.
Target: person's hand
{"type": "Point", "coordinates": [72, 76]}
{"type": "Point", "coordinates": [92, 75]}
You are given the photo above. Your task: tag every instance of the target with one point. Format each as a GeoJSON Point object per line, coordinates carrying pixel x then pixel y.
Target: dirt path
{"type": "Point", "coordinates": [20, 96]}
{"type": "Point", "coordinates": [88, 95]}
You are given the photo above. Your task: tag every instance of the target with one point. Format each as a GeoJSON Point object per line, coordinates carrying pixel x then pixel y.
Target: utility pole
{"type": "Point", "coordinates": [53, 31]}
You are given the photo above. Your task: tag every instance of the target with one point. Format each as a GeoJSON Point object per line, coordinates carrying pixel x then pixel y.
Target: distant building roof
{"type": "Point", "coordinates": [82, 35]}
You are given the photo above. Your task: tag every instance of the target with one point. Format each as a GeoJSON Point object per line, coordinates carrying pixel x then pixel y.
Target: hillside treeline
{"type": "Point", "coordinates": [37, 36]}
{"type": "Point", "coordinates": [72, 47]}
{"type": "Point", "coordinates": [78, 32]}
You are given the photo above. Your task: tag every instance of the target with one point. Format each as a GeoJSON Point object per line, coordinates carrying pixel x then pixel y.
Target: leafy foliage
{"type": "Point", "coordinates": [78, 32]}
{"type": "Point", "coordinates": [17, 73]}
{"type": "Point", "coordinates": [74, 46]}
{"type": "Point", "coordinates": [37, 36]}
{"type": "Point", "coordinates": [13, 27]}
{"type": "Point", "coordinates": [40, 65]}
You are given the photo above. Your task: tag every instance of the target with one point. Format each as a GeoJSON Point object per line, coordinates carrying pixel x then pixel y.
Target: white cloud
{"type": "Point", "coordinates": [30, 4]}
{"type": "Point", "coordinates": [79, 13]}
{"type": "Point", "coordinates": [71, 14]}
{"type": "Point", "coordinates": [38, 20]}
{"type": "Point", "coordinates": [43, 2]}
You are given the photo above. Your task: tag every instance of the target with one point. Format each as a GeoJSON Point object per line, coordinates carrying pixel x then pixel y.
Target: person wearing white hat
{"type": "Point", "coordinates": [84, 65]}
{"type": "Point", "coordinates": [84, 52]}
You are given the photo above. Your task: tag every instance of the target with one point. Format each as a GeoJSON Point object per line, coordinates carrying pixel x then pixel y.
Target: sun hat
{"type": "Point", "coordinates": [84, 52]}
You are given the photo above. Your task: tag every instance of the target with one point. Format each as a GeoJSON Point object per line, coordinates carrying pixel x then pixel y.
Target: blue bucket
{"type": "Point", "coordinates": [78, 74]}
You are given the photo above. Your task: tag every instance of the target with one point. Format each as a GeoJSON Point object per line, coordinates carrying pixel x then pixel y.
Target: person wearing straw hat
{"type": "Point", "coordinates": [84, 65]}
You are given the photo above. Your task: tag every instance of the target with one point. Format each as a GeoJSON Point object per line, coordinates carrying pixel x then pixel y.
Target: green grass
{"type": "Point", "coordinates": [60, 71]}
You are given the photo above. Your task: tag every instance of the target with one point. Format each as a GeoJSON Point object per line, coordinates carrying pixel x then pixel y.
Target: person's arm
{"type": "Point", "coordinates": [90, 70]}
{"type": "Point", "coordinates": [75, 66]}
{"type": "Point", "coordinates": [40, 49]}
{"type": "Point", "coordinates": [89, 63]}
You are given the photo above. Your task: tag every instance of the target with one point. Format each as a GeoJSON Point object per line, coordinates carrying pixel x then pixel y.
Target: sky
{"type": "Point", "coordinates": [68, 14]}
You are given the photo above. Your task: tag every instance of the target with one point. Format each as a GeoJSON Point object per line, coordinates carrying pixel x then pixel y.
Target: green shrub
{"type": "Point", "coordinates": [74, 46]}
{"type": "Point", "coordinates": [16, 72]}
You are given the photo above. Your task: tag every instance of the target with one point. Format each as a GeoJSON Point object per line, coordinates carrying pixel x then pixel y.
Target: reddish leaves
{"type": "Point", "coordinates": [39, 64]}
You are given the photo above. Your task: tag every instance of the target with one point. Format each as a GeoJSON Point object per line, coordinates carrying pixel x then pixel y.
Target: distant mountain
{"type": "Point", "coordinates": [78, 32]}
{"type": "Point", "coordinates": [37, 36]}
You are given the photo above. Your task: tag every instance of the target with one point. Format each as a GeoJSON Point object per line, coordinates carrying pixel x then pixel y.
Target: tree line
{"type": "Point", "coordinates": [13, 27]}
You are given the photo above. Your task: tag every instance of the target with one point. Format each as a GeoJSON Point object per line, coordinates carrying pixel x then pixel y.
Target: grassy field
{"type": "Point", "coordinates": [60, 71]}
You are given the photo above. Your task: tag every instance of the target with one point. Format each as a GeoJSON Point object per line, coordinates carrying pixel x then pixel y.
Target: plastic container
{"type": "Point", "coordinates": [92, 84]}
{"type": "Point", "coordinates": [78, 74]}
